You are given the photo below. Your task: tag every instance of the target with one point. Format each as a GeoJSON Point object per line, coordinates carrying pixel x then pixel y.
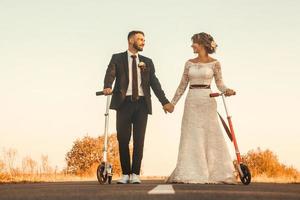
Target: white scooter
{"type": "Point", "coordinates": [105, 169]}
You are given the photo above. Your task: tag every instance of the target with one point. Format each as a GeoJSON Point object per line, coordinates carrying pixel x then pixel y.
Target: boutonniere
{"type": "Point", "coordinates": [142, 66]}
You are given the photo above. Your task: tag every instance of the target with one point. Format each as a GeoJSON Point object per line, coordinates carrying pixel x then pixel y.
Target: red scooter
{"type": "Point", "coordinates": [243, 170]}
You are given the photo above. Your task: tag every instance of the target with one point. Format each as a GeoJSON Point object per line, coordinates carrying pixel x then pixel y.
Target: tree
{"type": "Point", "coordinates": [45, 167]}
{"type": "Point", "coordinates": [9, 159]}
{"type": "Point", "coordinates": [2, 166]}
{"type": "Point", "coordinates": [29, 166]}
{"type": "Point", "coordinates": [86, 154]}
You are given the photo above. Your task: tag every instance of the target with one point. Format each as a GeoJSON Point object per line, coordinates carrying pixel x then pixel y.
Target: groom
{"type": "Point", "coordinates": [134, 74]}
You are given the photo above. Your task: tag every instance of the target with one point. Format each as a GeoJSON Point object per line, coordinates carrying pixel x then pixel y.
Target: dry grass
{"type": "Point", "coordinates": [84, 159]}
{"type": "Point", "coordinates": [265, 167]}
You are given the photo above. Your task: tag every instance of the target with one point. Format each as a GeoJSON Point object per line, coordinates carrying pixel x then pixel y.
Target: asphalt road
{"type": "Point", "coordinates": [147, 190]}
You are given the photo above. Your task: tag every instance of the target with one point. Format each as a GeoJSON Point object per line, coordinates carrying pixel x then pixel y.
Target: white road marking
{"type": "Point", "coordinates": [162, 189]}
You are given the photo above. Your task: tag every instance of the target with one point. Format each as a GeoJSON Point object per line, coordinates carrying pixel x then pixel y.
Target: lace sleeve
{"type": "Point", "coordinates": [182, 86]}
{"type": "Point", "coordinates": [218, 77]}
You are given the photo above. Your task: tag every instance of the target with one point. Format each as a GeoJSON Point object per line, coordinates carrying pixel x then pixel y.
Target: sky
{"type": "Point", "coordinates": [53, 57]}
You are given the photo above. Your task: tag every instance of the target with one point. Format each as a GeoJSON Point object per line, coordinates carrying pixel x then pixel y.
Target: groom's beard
{"type": "Point", "coordinates": [137, 47]}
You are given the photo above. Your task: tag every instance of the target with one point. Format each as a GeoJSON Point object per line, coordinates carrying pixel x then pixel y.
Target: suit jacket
{"type": "Point", "coordinates": [117, 71]}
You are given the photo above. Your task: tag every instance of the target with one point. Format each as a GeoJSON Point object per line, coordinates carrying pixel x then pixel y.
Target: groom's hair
{"type": "Point", "coordinates": [132, 33]}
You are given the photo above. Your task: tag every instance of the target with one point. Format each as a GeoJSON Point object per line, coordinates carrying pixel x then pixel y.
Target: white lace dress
{"type": "Point", "coordinates": [203, 155]}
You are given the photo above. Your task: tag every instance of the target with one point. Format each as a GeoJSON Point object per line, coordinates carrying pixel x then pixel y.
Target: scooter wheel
{"type": "Point", "coordinates": [101, 176]}
{"type": "Point", "coordinates": [246, 179]}
{"type": "Point", "coordinates": [109, 179]}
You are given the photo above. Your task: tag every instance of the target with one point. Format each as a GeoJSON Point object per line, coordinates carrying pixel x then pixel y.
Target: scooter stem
{"type": "Point", "coordinates": [237, 152]}
{"type": "Point", "coordinates": [106, 128]}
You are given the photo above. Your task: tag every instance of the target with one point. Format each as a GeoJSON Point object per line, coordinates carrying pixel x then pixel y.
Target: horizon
{"type": "Point", "coordinates": [54, 56]}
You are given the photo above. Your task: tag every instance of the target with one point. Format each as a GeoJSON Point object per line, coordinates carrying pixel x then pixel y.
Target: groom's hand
{"type": "Point", "coordinates": [168, 108]}
{"type": "Point", "coordinates": [107, 91]}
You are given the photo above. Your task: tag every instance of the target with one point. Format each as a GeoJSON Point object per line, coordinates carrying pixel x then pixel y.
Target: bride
{"type": "Point", "coordinates": [203, 154]}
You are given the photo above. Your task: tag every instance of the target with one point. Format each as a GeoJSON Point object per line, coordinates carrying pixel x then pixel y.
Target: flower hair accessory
{"type": "Point", "coordinates": [142, 66]}
{"type": "Point", "coordinates": [213, 45]}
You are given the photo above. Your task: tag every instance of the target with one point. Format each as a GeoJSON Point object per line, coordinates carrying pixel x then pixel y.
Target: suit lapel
{"type": "Point", "coordinates": [142, 72]}
{"type": "Point", "coordinates": [125, 62]}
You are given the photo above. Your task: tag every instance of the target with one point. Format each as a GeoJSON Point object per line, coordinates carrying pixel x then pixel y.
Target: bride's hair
{"type": "Point", "coordinates": [206, 40]}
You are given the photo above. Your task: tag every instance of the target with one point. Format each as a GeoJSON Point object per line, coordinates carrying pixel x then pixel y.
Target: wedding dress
{"type": "Point", "coordinates": [203, 155]}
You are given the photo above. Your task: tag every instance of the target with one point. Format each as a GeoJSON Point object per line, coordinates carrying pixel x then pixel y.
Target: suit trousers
{"type": "Point", "coordinates": [132, 119]}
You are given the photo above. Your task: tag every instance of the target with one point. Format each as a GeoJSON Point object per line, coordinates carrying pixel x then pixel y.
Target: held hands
{"type": "Point", "coordinates": [107, 91]}
{"type": "Point", "coordinates": [229, 92]}
{"type": "Point", "coordinates": [168, 108]}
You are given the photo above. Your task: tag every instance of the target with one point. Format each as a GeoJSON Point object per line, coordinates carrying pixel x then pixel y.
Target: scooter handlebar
{"type": "Point", "coordinates": [215, 94]}
{"type": "Point", "coordinates": [100, 93]}
{"type": "Point", "coordinates": [218, 94]}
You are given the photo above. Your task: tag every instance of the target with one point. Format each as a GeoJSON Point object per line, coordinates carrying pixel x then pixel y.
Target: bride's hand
{"type": "Point", "coordinates": [168, 108]}
{"type": "Point", "coordinates": [229, 92]}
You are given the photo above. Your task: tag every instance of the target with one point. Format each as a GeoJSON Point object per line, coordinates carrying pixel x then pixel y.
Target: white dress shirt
{"type": "Point", "coordinates": [140, 89]}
